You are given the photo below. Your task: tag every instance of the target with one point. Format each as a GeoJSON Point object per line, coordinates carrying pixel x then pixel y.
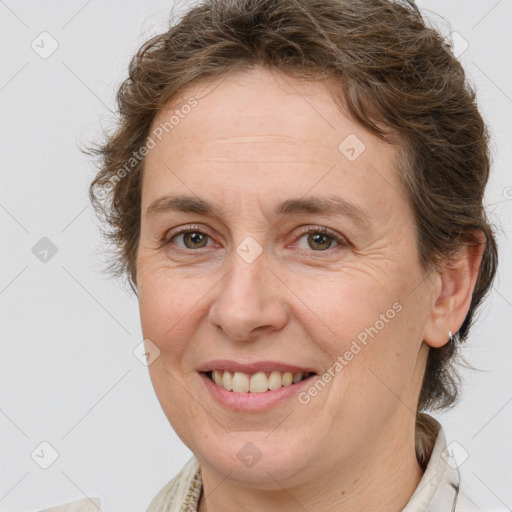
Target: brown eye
{"type": "Point", "coordinates": [191, 238]}
{"type": "Point", "coordinates": [194, 239]}
{"type": "Point", "coordinates": [319, 241]}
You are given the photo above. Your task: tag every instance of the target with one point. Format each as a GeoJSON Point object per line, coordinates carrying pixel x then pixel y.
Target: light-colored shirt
{"type": "Point", "coordinates": [440, 489]}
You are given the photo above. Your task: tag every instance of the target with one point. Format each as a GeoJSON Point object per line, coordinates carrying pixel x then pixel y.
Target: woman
{"type": "Point", "coordinates": [295, 193]}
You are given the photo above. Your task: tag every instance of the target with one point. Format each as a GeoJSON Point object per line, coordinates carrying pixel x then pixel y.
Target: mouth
{"type": "Point", "coordinates": [259, 382]}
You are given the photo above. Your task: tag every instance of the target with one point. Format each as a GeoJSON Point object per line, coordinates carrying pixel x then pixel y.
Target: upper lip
{"type": "Point", "coordinates": [252, 367]}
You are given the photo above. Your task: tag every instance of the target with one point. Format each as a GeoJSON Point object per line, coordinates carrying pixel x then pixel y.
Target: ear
{"type": "Point", "coordinates": [452, 292]}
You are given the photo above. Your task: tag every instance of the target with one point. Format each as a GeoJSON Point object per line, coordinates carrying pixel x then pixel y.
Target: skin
{"type": "Point", "coordinates": [255, 139]}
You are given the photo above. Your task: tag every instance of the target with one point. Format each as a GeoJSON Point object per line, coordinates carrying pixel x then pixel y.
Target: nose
{"type": "Point", "coordinates": [249, 303]}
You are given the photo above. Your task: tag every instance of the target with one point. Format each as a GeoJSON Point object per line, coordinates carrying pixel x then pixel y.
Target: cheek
{"type": "Point", "coordinates": [364, 322]}
{"type": "Point", "coordinates": [172, 308]}
{"type": "Point", "coordinates": [164, 305]}
{"type": "Point", "coordinates": [346, 307]}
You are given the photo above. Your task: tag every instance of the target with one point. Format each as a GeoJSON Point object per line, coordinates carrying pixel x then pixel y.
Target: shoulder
{"type": "Point", "coordinates": [182, 492]}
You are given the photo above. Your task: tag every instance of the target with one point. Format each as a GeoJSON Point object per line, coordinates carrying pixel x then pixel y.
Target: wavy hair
{"type": "Point", "coordinates": [395, 74]}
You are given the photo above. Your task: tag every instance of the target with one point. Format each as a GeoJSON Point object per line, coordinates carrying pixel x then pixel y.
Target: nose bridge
{"type": "Point", "coordinates": [247, 299]}
{"type": "Point", "coordinates": [243, 281]}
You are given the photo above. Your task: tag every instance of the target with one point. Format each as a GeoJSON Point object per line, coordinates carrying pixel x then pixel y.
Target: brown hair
{"type": "Point", "coordinates": [396, 76]}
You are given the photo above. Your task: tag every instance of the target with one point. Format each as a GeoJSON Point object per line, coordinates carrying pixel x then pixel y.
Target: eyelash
{"type": "Point", "coordinates": [340, 241]}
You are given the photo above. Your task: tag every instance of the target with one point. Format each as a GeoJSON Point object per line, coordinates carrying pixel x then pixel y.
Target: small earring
{"type": "Point", "coordinates": [450, 335]}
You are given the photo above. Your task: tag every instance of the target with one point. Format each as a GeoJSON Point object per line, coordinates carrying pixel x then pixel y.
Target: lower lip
{"type": "Point", "coordinates": [254, 401]}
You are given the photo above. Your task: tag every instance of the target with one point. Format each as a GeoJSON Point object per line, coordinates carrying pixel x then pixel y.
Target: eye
{"type": "Point", "coordinates": [320, 238]}
{"type": "Point", "coordinates": [192, 237]}
{"type": "Point", "coordinates": [317, 238]}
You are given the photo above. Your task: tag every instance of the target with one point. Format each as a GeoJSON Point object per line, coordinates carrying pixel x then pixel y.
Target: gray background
{"type": "Point", "coordinates": [69, 374]}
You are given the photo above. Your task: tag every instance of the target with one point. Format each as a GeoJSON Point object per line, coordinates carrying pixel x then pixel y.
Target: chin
{"type": "Point", "coordinates": [254, 457]}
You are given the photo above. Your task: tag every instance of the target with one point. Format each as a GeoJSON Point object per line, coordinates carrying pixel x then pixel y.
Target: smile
{"type": "Point", "coordinates": [259, 382]}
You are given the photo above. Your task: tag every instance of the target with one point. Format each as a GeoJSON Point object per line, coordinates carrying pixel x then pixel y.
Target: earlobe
{"type": "Point", "coordinates": [453, 293]}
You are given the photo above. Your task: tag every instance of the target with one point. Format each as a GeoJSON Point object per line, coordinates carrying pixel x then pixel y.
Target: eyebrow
{"type": "Point", "coordinates": [332, 205]}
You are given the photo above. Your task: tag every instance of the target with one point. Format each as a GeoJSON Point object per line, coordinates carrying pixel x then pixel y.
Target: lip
{"type": "Point", "coordinates": [252, 367]}
{"type": "Point", "coordinates": [253, 402]}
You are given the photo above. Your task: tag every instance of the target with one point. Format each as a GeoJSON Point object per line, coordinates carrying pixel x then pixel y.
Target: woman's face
{"type": "Point", "coordinates": [267, 164]}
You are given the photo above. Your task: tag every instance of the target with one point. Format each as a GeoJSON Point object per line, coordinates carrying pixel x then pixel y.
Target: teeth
{"type": "Point", "coordinates": [297, 377]}
{"type": "Point", "coordinates": [287, 378]}
{"type": "Point", "coordinates": [240, 382]}
{"type": "Point", "coordinates": [217, 377]}
{"type": "Point", "coordinates": [257, 383]}
{"type": "Point", "coordinates": [227, 381]}
{"type": "Point", "coordinates": [274, 380]}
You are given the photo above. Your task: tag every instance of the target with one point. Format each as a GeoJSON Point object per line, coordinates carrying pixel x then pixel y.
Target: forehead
{"type": "Point", "coordinates": [266, 131]}
{"type": "Point", "coordinates": [256, 103]}
{"type": "Point", "coordinates": [260, 106]}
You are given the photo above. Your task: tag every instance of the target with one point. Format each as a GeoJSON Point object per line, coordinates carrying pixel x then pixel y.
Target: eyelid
{"type": "Point", "coordinates": [183, 229]}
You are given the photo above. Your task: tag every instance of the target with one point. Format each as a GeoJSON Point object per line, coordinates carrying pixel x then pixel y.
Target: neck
{"type": "Point", "coordinates": [386, 475]}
